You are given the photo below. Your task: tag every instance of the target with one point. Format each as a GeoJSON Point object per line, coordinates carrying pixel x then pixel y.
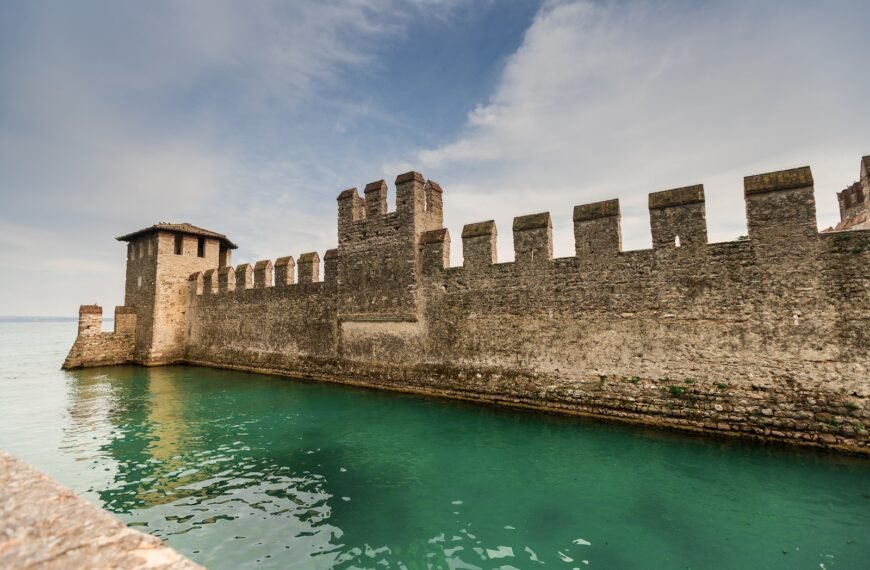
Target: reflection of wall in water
{"type": "Point", "coordinates": [139, 415]}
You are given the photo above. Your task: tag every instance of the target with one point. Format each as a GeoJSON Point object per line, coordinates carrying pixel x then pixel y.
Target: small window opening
{"type": "Point", "coordinates": [139, 282]}
{"type": "Point", "coordinates": [677, 241]}
{"type": "Point", "coordinates": [200, 247]}
{"type": "Point", "coordinates": [179, 244]}
{"type": "Point", "coordinates": [148, 248]}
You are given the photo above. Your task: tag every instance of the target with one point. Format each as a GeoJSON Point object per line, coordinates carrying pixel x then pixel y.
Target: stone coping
{"type": "Point", "coordinates": [45, 525]}
{"type": "Point", "coordinates": [479, 229]}
{"type": "Point", "coordinates": [779, 180]}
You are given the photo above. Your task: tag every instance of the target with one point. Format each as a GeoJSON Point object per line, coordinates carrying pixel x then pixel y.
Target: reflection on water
{"type": "Point", "coordinates": [239, 470]}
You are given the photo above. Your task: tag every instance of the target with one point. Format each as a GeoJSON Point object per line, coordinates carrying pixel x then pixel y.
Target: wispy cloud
{"type": "Point", "coordinates": [618, 99]}
{"type": "Point", "coordinates": [250, 117]}
{"type": "Point", "coordinates": [115, 116]}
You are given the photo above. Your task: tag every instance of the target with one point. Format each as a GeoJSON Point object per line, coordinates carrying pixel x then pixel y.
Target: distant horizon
{"type": "Point", "coordinates": [40, 318]}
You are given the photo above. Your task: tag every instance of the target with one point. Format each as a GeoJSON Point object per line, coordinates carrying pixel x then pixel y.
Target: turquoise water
{"type": "Point", "coordinates": [244, 471]}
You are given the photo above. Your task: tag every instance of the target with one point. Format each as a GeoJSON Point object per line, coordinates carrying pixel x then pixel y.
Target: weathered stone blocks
{"type": "Point", "coordinates": [781, 208]}
{"type": "Point", "coordinates": [285, 268]}
{"type": "Point", "coordinates": [761, 337]}
{"type": "Point", "coordinates": [678, 218]}
{"type": "Point", "coordinates": [93, 347]}
{"type": "Point", "coordinates": [596, 229]}
{"type": "Point", "coordinates": [244, 276]}
{"type": "Point", "coordinates": [479, 249]}
{"type": "Point", "coordinates": [263, 274]}
{"type": "Point", "coordinates": [309, 267]}
{"type": "Point", "coordinates": [533, 239]}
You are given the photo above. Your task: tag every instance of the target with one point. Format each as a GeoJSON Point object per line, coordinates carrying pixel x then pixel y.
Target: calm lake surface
{"type": "Point", "coordinates": [243, 471]}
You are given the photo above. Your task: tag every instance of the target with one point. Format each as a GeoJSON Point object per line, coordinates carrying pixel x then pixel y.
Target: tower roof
{"type": "Point", "coordinates": [183, 228]}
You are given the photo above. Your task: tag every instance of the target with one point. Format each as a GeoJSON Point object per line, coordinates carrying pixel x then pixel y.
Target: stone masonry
{"type": "Point", "coordinates": [766, 337]}
{"type": "Point", "coordinates": [45, 526]}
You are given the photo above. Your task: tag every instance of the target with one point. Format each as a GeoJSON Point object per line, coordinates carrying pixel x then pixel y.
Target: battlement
{"type": "Point", "coordinates": [854, 201]}
{"type": "Point", "coordinates": [375, 262]}
{"type": "Point", "coordinates": [596, 229]}
{"type": "Point", "coordinates": [479, 248]}
{"type": "Point", "coordinates": [678, 217]}
{"type": "Point", "coordinates": [93, 347]}
{"type": "Point", "coordinates": [533, 239]}
{"type": "Point", "coordinates": [784, 310]}
{"type": "Point", "coordinates": [264, 274]}
{"type": "Point", "coordinates": [244, 276]}
{"type": "Point", "coordinates": [780, 209]}
{"type": "Point", "coordinates": [435, 250]}
{"type": "Point", "coordinates": [285, 271]}
{"type": "Point", "coordinates": [227, 280]}
{"type": "Point", "coordinates": [373, 268]}
{"type": "Point", "coordinates": [309, 267]}
{"type": "Point", "coordinates": [419, 207]}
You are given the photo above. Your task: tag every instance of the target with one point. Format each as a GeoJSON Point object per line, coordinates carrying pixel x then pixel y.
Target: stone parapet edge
{"type": "Point", "coordinates": [45, 525]}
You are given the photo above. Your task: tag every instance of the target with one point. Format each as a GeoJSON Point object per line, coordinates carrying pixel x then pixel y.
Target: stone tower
{"type": "Point", "coordinates": [379, 252]}
{"type": "Point", "coordinates": [160, 260]}
{"type": "Point", "coordinates": [855, 201]}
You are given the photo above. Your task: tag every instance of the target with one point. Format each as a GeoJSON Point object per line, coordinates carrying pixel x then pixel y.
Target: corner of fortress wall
{"type": "Point", "coordinates": [766, 323]}
{"type": "Point", "coordinates": [93, 347]}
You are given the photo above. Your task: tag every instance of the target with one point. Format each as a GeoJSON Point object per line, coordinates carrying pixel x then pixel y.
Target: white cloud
{"type": "Point", "coordinates": [618, 99]}
{"type": "Point", "coordinates": [115, 116]}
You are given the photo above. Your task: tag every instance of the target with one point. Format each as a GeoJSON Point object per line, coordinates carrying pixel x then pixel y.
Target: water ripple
{"type": "Point", "coordinates": [243, 471]}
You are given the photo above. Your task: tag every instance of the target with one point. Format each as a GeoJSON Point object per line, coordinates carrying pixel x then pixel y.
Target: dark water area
{"type": "Point", "coordinates": [237, 470]}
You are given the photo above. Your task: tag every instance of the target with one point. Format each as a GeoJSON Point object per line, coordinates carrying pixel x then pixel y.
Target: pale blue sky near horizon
{"type": "Point", "coordinates": [249, 118]}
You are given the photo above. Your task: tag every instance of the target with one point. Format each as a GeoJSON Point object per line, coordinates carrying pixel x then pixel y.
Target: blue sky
{"type": "Point", "coordinates": [249, 117]}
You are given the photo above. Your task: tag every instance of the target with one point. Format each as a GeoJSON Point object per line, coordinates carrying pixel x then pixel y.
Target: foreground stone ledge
{"type": "Point", "coordinates": [44, 525]}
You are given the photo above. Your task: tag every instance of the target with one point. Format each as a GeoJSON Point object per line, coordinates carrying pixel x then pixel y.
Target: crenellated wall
{"type": "Point", "coordinates": [854, 201]}
{"type": "Point", "coordinates": [765, 337]}
{"type": "Point", "coordinates": [93, 347]}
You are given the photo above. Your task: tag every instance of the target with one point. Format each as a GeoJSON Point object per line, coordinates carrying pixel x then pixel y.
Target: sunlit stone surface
{"type": "Point", "coordinates": [43, 525]}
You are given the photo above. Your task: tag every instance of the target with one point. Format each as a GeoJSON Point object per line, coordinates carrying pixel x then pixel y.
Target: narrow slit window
{"type": "Point", "coordinates": [677, 241]}
{"type": "Point", "coordinates": [200, 247]}
{"type": "Point", "coordinates": [179, 244]}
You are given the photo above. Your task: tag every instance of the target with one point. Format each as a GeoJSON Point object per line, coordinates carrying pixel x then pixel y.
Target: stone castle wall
{"type": "Point", "coordinates": [93, 347]}
{"type": "Point", "coordinates": [765, 337]}
{"type": "Point", "coordinates": [854, 202]}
